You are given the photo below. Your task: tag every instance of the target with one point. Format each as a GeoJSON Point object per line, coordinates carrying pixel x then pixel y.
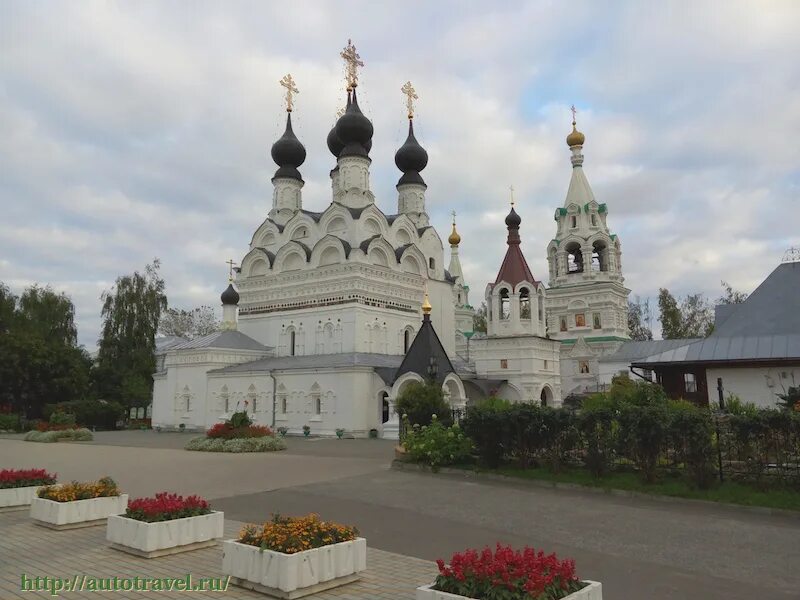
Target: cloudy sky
{"type": "Point", "coordinates": [133, 130]}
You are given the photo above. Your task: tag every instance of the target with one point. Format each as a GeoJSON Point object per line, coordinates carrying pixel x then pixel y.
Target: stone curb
{"type": "Point", "coordinates": [399, 465]}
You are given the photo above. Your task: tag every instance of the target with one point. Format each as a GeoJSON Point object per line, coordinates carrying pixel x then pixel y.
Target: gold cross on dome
{"type": "Point", "coordinates": [291, 89]}
{"type": "Point", "coordinates": [230, 264]}
{"type": "Point", "coordinates": [511, 189]}
{"type": "Point", "coordinates": [352, 60]}
{"type": "Point", "coordinates": [574, 112]}
{"type": "Point", "coordinates": [411, 95]}
{"type": "Point", "coordinates": [454, 217]}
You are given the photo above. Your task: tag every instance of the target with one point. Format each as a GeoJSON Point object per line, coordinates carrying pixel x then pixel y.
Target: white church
{"type": "Point", "coordinates": [334, 312]}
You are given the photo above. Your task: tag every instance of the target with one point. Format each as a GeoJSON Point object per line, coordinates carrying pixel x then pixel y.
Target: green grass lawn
{"type": "Point", "coordinates": [730, 492]}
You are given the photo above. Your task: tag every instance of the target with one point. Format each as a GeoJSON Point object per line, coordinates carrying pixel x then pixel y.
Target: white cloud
{"type": "Point", "coordinates": [134, 130]}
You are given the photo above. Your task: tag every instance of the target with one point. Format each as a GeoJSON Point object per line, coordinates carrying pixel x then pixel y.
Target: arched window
{"type": "Point", "coordinates": [187, 398]}
{"type": "Point", "coordinates": [594, 220]}
{"type": "Point", "coordinates": [524, 304]}
{"type": "Point", "coordinates": [599, 262]}
{"type": "Point", "coordinates": [252, 398]}
{"type": "Point", "coordinates": [224, 398]}
{"type": "Point", "coordinates": [384, 407]}
{"type": "Point", "coordinates": [505, 304]}
{"type": "Point", "coordinates": [300, 233]}
{"type": "Point", "coordinates": [406, 341]}
{"type": "Point", "coordinates": [292, 338]}
{"type": "Point", "coordinates": [431, 263]}
{"type": "Point", "coordinates": [540, 303]}
{"type": "Point", "coordinates": [574, 258]}
{"type": "Point", "coordinates": [573, 221]}
{"type": "Point", "coordinates": [563, 324]}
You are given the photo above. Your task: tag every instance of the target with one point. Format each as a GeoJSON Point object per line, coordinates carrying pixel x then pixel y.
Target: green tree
{"type": "Point", "coordinates": [639, 317]}
{"type": "Point", "coordinates": [730, 295]}
{"type": "Point", "coordinates": [670, 315]}
{"type": "Point", "coordinates": [131, 314]}
{"type": "Point", "coordinates": [693, 317]}
{"type": "Point", "coordinates": [189, 324]}
{"type": "Point", "coordinates": [41, 360]}
{"type": "Point", "coordinates": [479, 319]}
{"type": "Point", "coordinates": [420, 401]}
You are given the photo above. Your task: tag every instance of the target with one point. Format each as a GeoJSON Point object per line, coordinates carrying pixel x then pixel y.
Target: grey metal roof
{"type": "Point", "coordinates": [167, 342]}
{"type": "Point", "coordinates": [635, 350]}
{"type": "Point", "coordinates": [734, 348]}
{"type": "Point", "coordinates": [229, 340]}
{"type": "Point", "coordinates": [766, 326]}
{"type": "Point", "coordinates": [322, 361]}
{"type": "Point", "coordinates": [772, 309]}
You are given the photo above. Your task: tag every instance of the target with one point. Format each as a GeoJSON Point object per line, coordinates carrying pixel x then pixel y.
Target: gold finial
{"type": "Point", "coordinates": [511, 189]}
{"type": "Point", "coordinates": [454, 238]}
{"type": "Point", "coordinates": [575, 138]}
{"type": "Point", "coordinates": [291, 89]}
{"type": "Point", "coordinates": [352, 60]}
{"type": "Point", "coordinates": [411, 95]}
{"type": "Point", "coordinates": [426, 303]}
{"type": "Point", "coordinates": [230, 264]}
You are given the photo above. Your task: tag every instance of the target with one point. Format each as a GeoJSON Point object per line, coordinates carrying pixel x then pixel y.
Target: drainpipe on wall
{"type": "Point", "coordinates": [274, 399]}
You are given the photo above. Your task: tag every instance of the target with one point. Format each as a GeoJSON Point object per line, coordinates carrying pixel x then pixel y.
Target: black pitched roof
{"type": "Point", "coordinates": [426, 344]}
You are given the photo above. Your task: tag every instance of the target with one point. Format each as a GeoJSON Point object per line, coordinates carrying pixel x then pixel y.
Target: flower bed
{"type": "Point", "coordinates": [72, 505]}
{"type": "Point", "coordinates": [259, 444]}
{"type": "Point", "coordinates": [18, 487]}
{"type": "Point", "coordinates": [165, 524]}
{"type": "Point", "coordinates": [59, 435]}
{"type": "Point", "coordinates": [228, 431]}
{"type": "Point", "coordinates": [294, 557]}
{"type": "Point", "coordinates": [508, 574]}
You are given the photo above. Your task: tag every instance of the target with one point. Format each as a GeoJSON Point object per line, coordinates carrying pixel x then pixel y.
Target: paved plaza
{"type": "Point", "coordinates": [638, 548]}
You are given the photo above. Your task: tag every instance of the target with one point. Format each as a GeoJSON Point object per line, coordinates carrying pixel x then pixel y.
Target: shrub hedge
{"type": "Point", "coordinates": [93, 414]}
{"type": "Point", "coordinates": [75, 435]}
{"type": "Point", "coordinates": [257, 444]}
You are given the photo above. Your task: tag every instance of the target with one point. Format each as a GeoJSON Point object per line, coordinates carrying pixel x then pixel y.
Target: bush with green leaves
{"type": "Point", "coordinates": [75, 435]}
{"type": "Point", "coordinates": [420, 401]}
{"type": "Point", "coordinates": [437, 444]}
{"type": "Point", "coordinates": [487, 425]}
{"type": "Point", "coordinates": [643, 430]}
{"type": "Point", "coordinates": [92, 414]}
{"type": "Point", "coordinates": [691, 433]}
{"type": "Point", "coordinates": [734, 405]}
{"type": "Point", "coordinates": [9, 422]}
{"type": "Point", "coordinates": [61, 418]}
{"type": "Point", "coordinates": [259, 444]}
{"type": "Point", "coordinates": [598, 427]}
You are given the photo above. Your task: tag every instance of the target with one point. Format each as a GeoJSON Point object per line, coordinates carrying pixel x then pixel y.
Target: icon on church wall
{"type": "Point", "coordinates": [563, 323]}
{"type": "Point", "coordinates": [580, 320]}
{"type": "Point", "coordinates": [596, 320]}
{"type": "Point", "coordinates": [583, 367]}
{"type": "Point", "coordinates": [503, 363]}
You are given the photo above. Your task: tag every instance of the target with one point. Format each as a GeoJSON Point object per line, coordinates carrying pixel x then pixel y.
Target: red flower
{"type": "Point", "coordinates": [525, 572]}
{"type": "Point", "coordinates": [166, 507]}
{"type": "Point", "coordinates": [14, 478]}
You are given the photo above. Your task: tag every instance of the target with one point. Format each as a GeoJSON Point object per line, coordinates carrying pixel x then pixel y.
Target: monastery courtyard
{"type": "Point", "coordinates": [638, 548]}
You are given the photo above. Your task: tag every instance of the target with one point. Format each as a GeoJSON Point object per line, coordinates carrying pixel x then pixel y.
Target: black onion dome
{"type": "Point", "coordinates": [411, 156]}
{"type": "Point", "coordinates": [335, 145]}
{"type": "Point", "coordinates": [513, 220]}
{"type": "Point", "coordinates": [230, 295]}
{"type": "Point", "coordinates": [354, 130]}
{"type": "Point", "coordinates": [288, 153]}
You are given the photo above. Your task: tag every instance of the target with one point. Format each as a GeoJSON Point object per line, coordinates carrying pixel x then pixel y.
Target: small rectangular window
{"type": "Point", "coordinates": [596, 321]}
{"type": "Point", "coordinates": [574, 221]}
{"type": "Point", "coordinates": [545, 365]}
{"type": "Point", "coordinates": [563, 324]}
{"type": "Point", "coordinates": [689, 383]}
{"type": "Point", "coordinates": [283, 405]}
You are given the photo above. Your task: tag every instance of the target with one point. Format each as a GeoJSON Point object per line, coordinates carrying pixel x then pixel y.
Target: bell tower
{"type": "Point", "coordinates": [587, 303]}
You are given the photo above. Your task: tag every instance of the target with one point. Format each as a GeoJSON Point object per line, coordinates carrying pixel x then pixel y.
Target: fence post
{"type": "Point", "coordinates": [719, 448]}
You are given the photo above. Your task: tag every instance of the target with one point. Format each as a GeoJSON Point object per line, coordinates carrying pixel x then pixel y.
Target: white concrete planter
{"type": "Point", "coordinates": [593, 591]}
{"type": "Point", "coordinates": [164, 537]}
{"type": "Point", "coordinates": [17, 498]}
{"type": "Point", "coordinates": [294, 575]}
{"type": "Point", "coordinates": [78, 513]}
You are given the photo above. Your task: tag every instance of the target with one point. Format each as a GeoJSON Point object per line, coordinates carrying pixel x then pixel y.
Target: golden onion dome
{"type": "Point", "coordinates": [454, 238]}
{"type": "Point", "coordinates": [575, 138]}
{"type": "Point", "coordinates": [426, 304]}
